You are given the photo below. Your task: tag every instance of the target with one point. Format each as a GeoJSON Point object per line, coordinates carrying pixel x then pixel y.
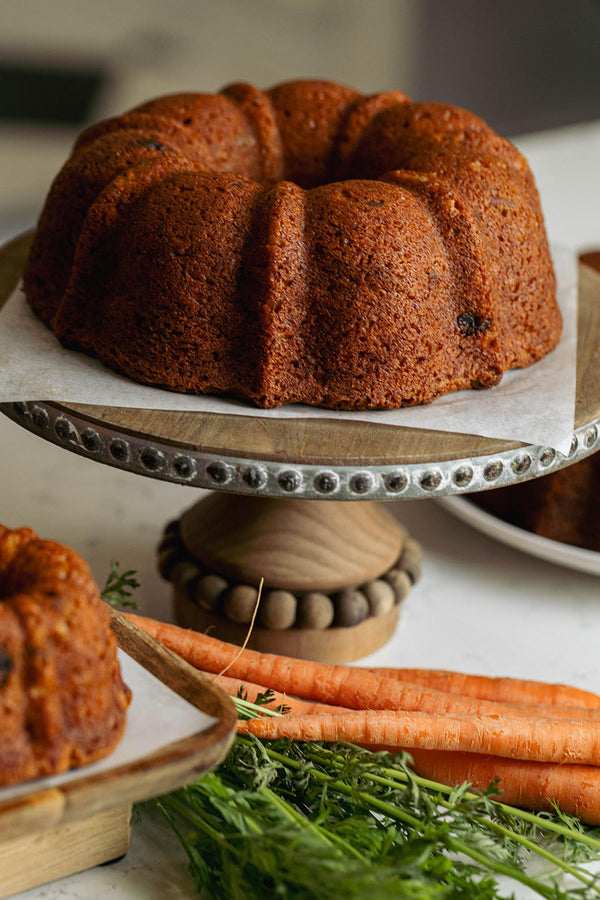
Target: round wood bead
{"type": "Point", "coordinates": [400, 582]}
{"type": "Point", "coordinates": [239, 603]}
{"type": "Point", "coordinates": [172, 527]}
{"type": "Point", "coordinates": [380, 596]}
{"type": "Point", "coordinates": [208, 591]}
{"type": "Point", "coordinates": [351, 607]}
{"type": "Point", "coordinates": [410, 560]}
{"type": "Point", "coordinates": [169, 541]}
{"type": "Point", "coordinates": [315, 610]}
{"type": "Point", "coordinates": [168, 559]}
{"type": "Point", "coordinates": [184, 574]}
{"type": "Point", "coordinates": [277, 610]}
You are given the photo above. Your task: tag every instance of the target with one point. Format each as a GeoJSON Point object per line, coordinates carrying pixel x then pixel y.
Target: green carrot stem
{"type": "Point", "coordinates": [298, 819]}
{"type": "Point", "coordinates": [394, 812]}
{"type": "Point", "coordinates": [173, 801]}
{"type": "Point", "coordinates": [541, 851]}
{"type": "Point", "coordinates": [532, 818]}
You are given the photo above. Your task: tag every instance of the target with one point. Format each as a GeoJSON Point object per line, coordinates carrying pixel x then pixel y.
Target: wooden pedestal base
{"type": "Point", "coordinates": [328, 645]}
{"type": "Point", "coordinates": [43, 856]}
{"type": "Point", "coordinates": [333, 574]}
{"type": "Point", "coordinates": [297, 545]}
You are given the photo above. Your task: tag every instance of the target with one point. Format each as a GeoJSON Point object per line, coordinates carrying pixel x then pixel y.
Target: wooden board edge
{"type": "Point", "coordinates": [171, 766]}
{"type": "Point", "coordinates": [37, 858]}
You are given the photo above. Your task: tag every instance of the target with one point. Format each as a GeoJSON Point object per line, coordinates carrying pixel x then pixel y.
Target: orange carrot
{"type": "Point", "coordinates": [346, 686]}
{"type": "Point", "coordinates": [294, 706]}
{"type": "Point", "coordinates": [484, 687]}
{"type": "Point", "coordinates": [575, 789]}
{"type": "Point", "coordinates": [543, 740]}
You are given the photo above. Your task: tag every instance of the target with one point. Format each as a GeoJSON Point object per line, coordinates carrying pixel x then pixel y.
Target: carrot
{"type": "Point", "coordinates": [575, 789]}
{"type": "Point", "coordinates": [346, 686]}
{"type": "Point", "coordinates": [484, 687]}
{"type": "Point", "coordinates": [515, 737]}
{"type": "Point", "coordinates": [538, 759]}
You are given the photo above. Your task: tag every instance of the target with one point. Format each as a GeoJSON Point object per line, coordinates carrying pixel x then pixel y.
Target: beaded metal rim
{"type": "Point", "coordinates": [211, 471]}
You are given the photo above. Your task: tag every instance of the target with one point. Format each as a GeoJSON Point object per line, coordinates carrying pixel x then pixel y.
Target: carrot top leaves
{"type": "Point", "coordinates": [264, 699]}
{"type": "Point", "coordinates": [308, 820]}
{"type": "Point", "coordinates": [119, 587]}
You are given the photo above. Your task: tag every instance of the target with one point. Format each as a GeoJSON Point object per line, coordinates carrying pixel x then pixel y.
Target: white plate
{"type": "Point", "coordinates": [552, 551]}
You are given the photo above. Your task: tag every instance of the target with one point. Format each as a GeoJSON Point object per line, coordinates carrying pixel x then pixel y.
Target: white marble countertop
{"type": "Point", "coordinates": [480, 606]}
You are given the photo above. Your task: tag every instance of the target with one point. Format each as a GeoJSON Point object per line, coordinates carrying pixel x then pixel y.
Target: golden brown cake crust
{"type": "Point", "coordinates": [303, 244]}
{"type": "Point", "coordinates": [62, 700]}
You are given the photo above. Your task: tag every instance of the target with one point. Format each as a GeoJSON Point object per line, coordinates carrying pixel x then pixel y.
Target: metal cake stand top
{"type": "Point", "coordinates": [311, 458]}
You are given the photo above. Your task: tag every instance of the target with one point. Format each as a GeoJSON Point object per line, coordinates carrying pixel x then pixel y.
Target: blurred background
{"type": "Point", "coordinates": [523, 65]}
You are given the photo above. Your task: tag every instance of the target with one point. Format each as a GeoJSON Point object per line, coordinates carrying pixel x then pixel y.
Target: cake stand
{"type": "Point", "coordinates": [275, 467]}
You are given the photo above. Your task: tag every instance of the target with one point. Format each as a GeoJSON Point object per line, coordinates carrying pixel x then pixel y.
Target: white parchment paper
{"type": "Point", "coordinates": [534, 405]}
{"type": "Point", "coordinates": [156, 717]}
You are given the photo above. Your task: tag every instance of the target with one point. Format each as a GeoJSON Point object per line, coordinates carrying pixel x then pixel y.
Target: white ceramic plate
{"type": "Point", "coordinates": [552, 551]}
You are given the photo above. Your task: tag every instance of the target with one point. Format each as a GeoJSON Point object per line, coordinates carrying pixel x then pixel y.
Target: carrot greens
{"type": "Point", "coordinates": [291, 819]}
{"type": "Point", "coordinates": [119, 587]}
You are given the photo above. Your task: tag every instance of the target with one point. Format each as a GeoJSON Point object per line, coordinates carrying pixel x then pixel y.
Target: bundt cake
{"type": "Point", "coordinates": [62, 701]}
{"type": "Point", "coordinates": [563, 505]}
{"type": "Point", "coordinates": [303, 244]}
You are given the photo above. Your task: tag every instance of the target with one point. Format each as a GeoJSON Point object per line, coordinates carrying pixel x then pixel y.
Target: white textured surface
{"type": "Point", "coordinates": [480, 606]}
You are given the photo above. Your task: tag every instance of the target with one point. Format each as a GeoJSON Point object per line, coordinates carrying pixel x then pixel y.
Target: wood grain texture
{"type": "Point", "coordinates": [39, 857]}
{"type": "Point", "coordinates": [313, 441]}
{"type": "Point", "coordinates": [298, 545]}
{"type": "Point", "coordinates": [181, 677]}
{"type": "Point", "coordinates": [37, 812]}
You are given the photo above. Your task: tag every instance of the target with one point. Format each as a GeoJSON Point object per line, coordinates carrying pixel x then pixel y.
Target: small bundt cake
{"type": "Point", "coordinates": [563, 505]}
{"type": "Point", "coordinates": [62, 701]}
{"type": "Point", "coordinates": [303, 244]}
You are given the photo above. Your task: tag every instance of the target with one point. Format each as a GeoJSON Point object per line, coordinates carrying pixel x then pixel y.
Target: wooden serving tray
{"type": "Point", "coordinates": [49, 833]}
